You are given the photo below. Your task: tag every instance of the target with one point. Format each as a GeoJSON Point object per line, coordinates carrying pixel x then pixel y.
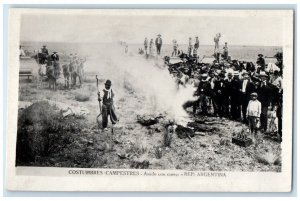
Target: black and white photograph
{"type": "Point", "coordinates": [144, 90]}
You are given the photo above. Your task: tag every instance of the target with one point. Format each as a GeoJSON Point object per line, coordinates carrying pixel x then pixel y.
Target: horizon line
{"type": "Point", "coordinates": [133, 43]}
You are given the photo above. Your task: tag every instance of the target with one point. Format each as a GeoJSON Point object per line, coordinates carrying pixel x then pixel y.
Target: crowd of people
{"type": "Point", "coordinates": [50, 66]}
{"type": "Point", "coordinates": [149, 46]}
{"type": "Point", "coordinates": [242, 91]}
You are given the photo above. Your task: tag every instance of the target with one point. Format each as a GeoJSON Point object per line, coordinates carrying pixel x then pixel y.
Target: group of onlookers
{"type": "Point", "coordinates": [242, 91]}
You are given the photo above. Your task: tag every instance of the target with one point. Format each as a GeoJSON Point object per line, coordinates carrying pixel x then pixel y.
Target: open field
{"type": "Point", "coordinates": [142, 88]}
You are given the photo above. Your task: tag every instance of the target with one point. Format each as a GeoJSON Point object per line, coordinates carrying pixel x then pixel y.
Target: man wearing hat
{"type": "Point", "coordinates": [261, 62]}
{"type": "Point", "coordinates": [175, 48]}
{"type": "Point", "coordinates": [220, 95]}
{"type": "Point", "coordinates": [212, 81]}
{"type": "Point", "coordinates": [190, 47]}
{"type": "Point", "coordinates": [264, 96]}
{"type": "Point", "coordinates": [246, 88]}
{"type": "Point", "coordinates": [43, 55]}
{"type": "Point", "coordinates": [108, 106]}
{"type": "Point", "coordinates": [54, 57]}
{"type": "Point", "coordinates": [196, 46]}
{"type": "Point", "coordinates": [204, 91]}
{"type": "Point", "coordinates": [253, 115]}
{"type": "Point", "coordinates": [225, 51]}
{"type": "Point", "coordinates": [158, 44]}
{"type": "Point", "coordinates": [151, 46]}
{"type": "Point", "coordinates": [45, 50]}
{"type": "Point", "coordinates": [146, 45]}
{"type": "Point", "coordinates": [232, 95]}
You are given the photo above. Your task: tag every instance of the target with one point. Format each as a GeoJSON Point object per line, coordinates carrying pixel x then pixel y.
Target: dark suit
{"type": "Point", "coordinates": [158, 44]}
{"type": "Point", "coordinates": [232, 92]}
{"type": "Point", "coordinates": [264, 96]}
{"type": "Point", "coordinates": [45, 51]}
{"type": "Point", "coordinates": [261, 61]}
{"type": "Point", "coordinates": [220, 97]}
{"type": "Point", "coordinates": [245, 96]}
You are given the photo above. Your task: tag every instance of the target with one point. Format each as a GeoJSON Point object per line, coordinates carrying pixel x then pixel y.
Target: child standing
{"type": "Point", "coordinates": [108, 106]}
{"type": "Point", "coordinates": [253, 115]}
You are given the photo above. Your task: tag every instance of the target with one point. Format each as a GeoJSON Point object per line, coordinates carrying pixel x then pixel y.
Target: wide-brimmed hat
{"type": "Point", "coordinates": [108, 82]}
{"type": "Point", "coordinates": [260, 55]}
{"type": "Point", "coordinates": [245, 73]}
{"type": "Point", "coordinates": [204, 75]}
{"type": "Point", "coordinates": [254, 94]}
{"type": "Point", "coordinates": [158, 34]}
{"type": "Point", "coordinates": [44, 46]}
{"type": "Point", "coordinates": [263, 74]}
{"type": "Point", "coordinates": [226, 64]}
{"type": "Point", "coordinates": [54, 52]}
{"type": "Point", "coordinates": [236, 73]}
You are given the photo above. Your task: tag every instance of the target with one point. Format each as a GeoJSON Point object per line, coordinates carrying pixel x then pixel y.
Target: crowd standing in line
{"type": "Point", "coordinates": [239, 90]}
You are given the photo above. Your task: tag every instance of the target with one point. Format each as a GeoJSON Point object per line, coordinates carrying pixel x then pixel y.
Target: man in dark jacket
{"type": "Point", "coordinates": [264, 96]}
{"type": "Point", "coordinates": [246, 88]}
{"type": "Point", "coordinates": [221, 97]}
{"type": "Point", "coordinates": [204, 92]}
{"type": "Point", "coordinates": [158, 44]}
{"type": "Point", "coordinates": [108, 106]}
{"type": "Point", "coordinates": [231, 91]}
{"type": "Point", "coordinates": [54, 57]}
{"type": "Point", "coordinates": [261, 62]}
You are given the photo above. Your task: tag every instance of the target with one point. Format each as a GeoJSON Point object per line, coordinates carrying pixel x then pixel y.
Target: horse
{"type": "Point", "coordinates": [53, 72]}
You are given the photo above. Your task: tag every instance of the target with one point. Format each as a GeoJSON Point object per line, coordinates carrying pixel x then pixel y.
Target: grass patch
{"type": "Point", "coordinates": [82, 96]}
{"type": "Point", "coordinates": [42, 132]}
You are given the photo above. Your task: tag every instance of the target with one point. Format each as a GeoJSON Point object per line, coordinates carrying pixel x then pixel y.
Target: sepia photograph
{"type": "Point", "coordinates": [197, 91]}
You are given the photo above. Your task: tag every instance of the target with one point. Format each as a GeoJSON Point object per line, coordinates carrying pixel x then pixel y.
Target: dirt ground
{"type": "Point", "coordinates": [131, 145]}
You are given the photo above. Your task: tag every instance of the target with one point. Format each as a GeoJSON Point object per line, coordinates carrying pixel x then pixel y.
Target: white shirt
{"type": "Point", "coordinates": [254, 108]}
{"type": "Point", "coordinates": [212, 83]}
{"type": "Point", "coordinates": [244, 86]}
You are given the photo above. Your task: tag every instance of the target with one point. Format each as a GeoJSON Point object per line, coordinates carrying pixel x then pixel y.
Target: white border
{"type": "Point", "coordinates": [234, 182]}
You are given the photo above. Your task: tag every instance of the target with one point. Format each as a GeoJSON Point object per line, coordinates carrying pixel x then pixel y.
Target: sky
{"type": "Point", "coordinates": [257, 31]}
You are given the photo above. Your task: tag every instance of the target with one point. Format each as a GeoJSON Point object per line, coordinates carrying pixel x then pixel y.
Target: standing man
{"type": "Point", "coordinates": [108, 106]}
{"type": "Point", "coordinates": [151, 46]}
{"type": "Point", "coordinates": [45, 50]}
{"type": "Point", "coordinates": [146, 45]}
{"type": "Point", "coordinates": [221, 96]}
{"type": "Point", "coordinates": [196, 46]}
{"type": "Point", "coordinates": [54, 57]}
{"type": "Point", "coordinates": [44, 54]}
{"type": "Point", "coordinates": [175, 47]}
{"type": "Point", "coordinates": [246, 89]}
{"type": "Point", "coordinates": [264, 96]}
{"type": "Point", "coordinates": [216, 40]}
{"type": "Point", "coordinates": [158, 44]}
{"type": "Point", "coordinates": [190, 47]}
{"type": "Point", "coordinates": [261, 62]}
{"type": "Point", "coordinates": [230, 84]}
{"type": "Point", "coordinates": [225, 51]}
